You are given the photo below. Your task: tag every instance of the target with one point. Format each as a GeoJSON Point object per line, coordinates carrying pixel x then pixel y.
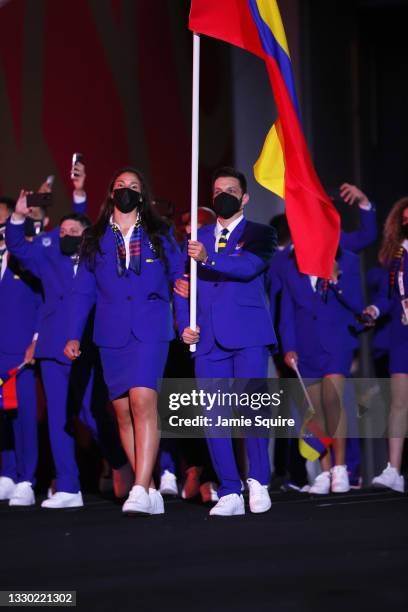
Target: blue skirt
{"type": "Point", "coordinates": [326, 363]}
{"type": "Point", "coordinates": [137, 364]}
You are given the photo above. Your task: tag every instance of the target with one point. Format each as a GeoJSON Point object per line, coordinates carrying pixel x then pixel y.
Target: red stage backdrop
{"type": "Point", "coordinates": [112, 80]}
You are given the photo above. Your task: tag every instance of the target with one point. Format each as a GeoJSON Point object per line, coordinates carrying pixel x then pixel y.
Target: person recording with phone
{"type": "Point", "coordinates": [20, 300]}
{"type": "Point", "coordinates": [56, 267]}
{"type": "Point", "coordinates": [129, 263]}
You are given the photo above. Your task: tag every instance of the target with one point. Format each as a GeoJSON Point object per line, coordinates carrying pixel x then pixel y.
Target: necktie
{"type": "Point", "coordinates": [222, 242]}
{"type": "Point", "coordinates": [322, 287]}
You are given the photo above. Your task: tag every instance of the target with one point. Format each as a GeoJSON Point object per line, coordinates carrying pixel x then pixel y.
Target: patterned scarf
{"type": "Point", "coordinates": [134, 247]}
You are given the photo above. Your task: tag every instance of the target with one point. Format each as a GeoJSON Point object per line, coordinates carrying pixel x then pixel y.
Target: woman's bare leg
{"type": "Point", "coordinates": [143, 404]}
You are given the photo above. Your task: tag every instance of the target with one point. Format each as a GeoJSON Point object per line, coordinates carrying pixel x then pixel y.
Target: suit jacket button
{"type": "Point", "coordinates": [129, 297]}
{"type": "Point", "coordinates": [61, 297]}
{"type": "Point", "coordinates": [314, 318]}
{"type": "Point", "coordinates": [216, 284]}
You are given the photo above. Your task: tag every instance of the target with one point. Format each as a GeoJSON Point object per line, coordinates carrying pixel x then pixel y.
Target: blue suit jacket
{"type": "Point", "coordinates": [231, 299]}
{"type": "Point", "coordinates": [309, 325]}
{"type": "Point", "coordinates": [128, 303]}
{"type": "Point", "coordinates": [375, 278]}
{"type": "Point", "coordinates": [366, 234]}
{"type": "Point", "coordinates": [56, 273]}
{"type": "Point", "coordinates": [391, 305]}
{"type": "Point", "coordinates": [20, 299]}
{"type": "Point", "coordinates": [351, 241]}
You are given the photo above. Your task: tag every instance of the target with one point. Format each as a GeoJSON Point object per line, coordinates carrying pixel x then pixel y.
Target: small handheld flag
{"type": "Point", "coordinates": [8, 388]}
{"type": "Point", "coordinates": [313, 443]}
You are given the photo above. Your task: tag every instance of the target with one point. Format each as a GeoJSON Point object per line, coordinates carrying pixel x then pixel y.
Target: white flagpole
{"type": "Point", "coordinates": [194, 178]}
{"type": "Point", "coordinates": [302, 384]}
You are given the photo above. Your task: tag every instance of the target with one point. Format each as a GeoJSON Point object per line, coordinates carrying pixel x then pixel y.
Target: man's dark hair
{"type": "Point", "coordinates": [9, 202]}
{"type": "Point", "coordinates": [280, 223]}
{"type": "Point", "coordinates": [82, 219]}
{"type": "Point", "coordinates": [230, 172]}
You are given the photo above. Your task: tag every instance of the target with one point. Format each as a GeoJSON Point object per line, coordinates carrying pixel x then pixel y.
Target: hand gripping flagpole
{"type": "Point", "coordinates": [311, 409]}
{"type": "Point", "coordinates": [194, 178]}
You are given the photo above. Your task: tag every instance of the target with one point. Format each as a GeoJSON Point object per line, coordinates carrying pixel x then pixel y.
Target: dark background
{"type": "Point", "coordinates": [112, 79]}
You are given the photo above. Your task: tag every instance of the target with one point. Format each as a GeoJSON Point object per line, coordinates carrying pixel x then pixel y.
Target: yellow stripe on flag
{"type": "Point", "coordinates": [269, 169]}
{"type": "Point", "coordinates": [269, 11]}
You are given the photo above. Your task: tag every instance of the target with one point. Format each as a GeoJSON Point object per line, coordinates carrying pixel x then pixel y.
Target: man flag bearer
{"type": "Point", "coordinates": [234, 325]}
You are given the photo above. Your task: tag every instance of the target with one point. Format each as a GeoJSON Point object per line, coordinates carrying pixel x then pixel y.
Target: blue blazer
{"type": "Point", "coordinates": [231, 299]}
{"type": "Point", "coordinates": [20, 299]}
{"type": "Point", "coordinates": [350, 241]}
{"type": "Point", "coordinates": [391, 305]}
{"type": "Point", "coordinates": [308, 324]}
{"type": "Point", "coordinates": [56, 273]}
{"type": "Point", "coordinates": [381, 337]}
{"type": "Point", "coordinates": [129, 303]}
{"type": "Point", "coordinates": [366, 234]}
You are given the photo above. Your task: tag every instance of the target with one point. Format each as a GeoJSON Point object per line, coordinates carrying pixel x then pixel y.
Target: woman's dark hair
{"type": "Point", "coordinates": [392, 236]}
{"type": "Point", "coordinates": [154, 225]}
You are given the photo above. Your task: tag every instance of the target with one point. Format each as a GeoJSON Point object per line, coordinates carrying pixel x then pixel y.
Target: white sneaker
{"type": "Point", "coordinates": [138, 502]}
{"type": "Point", "coordinates": [259, 500]}
{"type": "Point", "coordinates": [340, 479]}
{"type": "Point", "coordinates": [156, 501]}
{"type": "Point", "coordinates": [23, 495]}
{"type": "Point", "coordinates": [61, 499]}
{"type": "Point", "coordinates": [321, 485]}
{"type": "Point", "coordinates": [168, 484]}
{"type": "Point", "coordinates": [389, 478]}
{"type": "Point", "coordinates": [229, 505]}
{"type": "Point", "coordinates": [208, 493]}
{"type": "Point", "coordinates": [7, 486]}
{"type": "Point", "coordinates": [191, 487]}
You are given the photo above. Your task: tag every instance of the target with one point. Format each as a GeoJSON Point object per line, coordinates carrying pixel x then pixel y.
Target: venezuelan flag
{"type": "Point", "coordinates": [8, 390]}
{"type": "Point", "coordinates": [284, 166]}
{"type": "Point", "coordinates": [313, 443]}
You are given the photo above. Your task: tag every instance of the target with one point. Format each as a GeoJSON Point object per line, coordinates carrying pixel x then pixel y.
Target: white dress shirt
{"type": "Point", "coordinates": [126, 238]}
{"type": "Point", "coordinates": [219, 229]}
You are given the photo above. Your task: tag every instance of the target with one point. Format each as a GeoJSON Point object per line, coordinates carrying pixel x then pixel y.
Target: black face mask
{"type": "Point", "coordinates": [69, 245]}
{"type": "Point", "coordinates": [126, 200]}
{"type": "Point", "coordinates": [404, 230]}
{"type": "Point", "coordinates": [226, 205]}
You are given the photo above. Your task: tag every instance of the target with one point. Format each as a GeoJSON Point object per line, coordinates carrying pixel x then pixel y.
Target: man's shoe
{"type": "Point", "coordinates": [259, 500]}
{"type": "Point", "coordinates": [61, 499]}
{"type": "Point", "coordinates": [23, 495]}
{"type": "Point", "coordinates": [208, 493]}
{"type": "Point", "coordinates": [156, 501]}
{"type": "Point", "coordinates": [340, 479]}
{"type": "Point", "coordinates": [389, 478]}
{"type": "Point", "coordinates": [229, 505]}
{"type": "Point", "coordinates": [138, 502]}
{"type": "Point", "coordinates": [168, 484]}
{"type": "Point", "coordinates": [7, 486]}
{"type": "Point", "coordinates": [191, 486]}
{"type": "Point", "coordinates": [321, 485]}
